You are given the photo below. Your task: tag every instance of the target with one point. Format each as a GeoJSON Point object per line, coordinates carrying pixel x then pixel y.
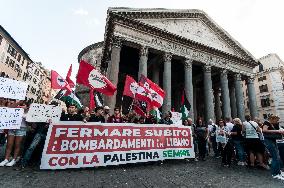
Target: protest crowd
{"type": "Point", "coordinates": [251, 143]}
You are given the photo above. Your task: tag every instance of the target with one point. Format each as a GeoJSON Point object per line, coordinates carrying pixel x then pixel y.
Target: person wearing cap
{"type": "Point", "coordinates": [98, 116]}
{"type": "Point", "coordinates": [106, 113]}
{"type": "Point", "coordinates": [272, 132]}
{"type": "Point", "coordinates": [71, 115]}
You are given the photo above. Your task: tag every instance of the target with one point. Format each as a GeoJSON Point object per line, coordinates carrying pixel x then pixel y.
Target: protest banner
{"type": "Point", "coordinates": [43, 113]}
{"type": "Point", "coordinates": [80, 145]}
{"type": "Point", "coordinates": [11, 118]}
{"type": "Point", "coordinates": [12, 89]}
{"type": "Point", "coordinates": [176, 118]}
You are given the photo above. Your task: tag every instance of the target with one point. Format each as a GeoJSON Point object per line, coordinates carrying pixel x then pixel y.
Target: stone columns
{"type": "Point", "coordinates": [217, 104]}
{"type": "Point", "coordinates": [225, 94]}
{"type": "Point", "coordinates": [208, 95]}
{"type": "Point", "coordinates": [239, 97]}
{"type": "Point", "coordinates": [143, 62]}
{"type": "Point", "coordinates": [113, 69]}
{"type": "Point", "coordinates": [233, 102]}
{"type": "Point", "coordinates": [252, 98]}
{"type": "Point", "coordinates": [188, 86]}
{"type": "Point", "coordinates": [167, 86]}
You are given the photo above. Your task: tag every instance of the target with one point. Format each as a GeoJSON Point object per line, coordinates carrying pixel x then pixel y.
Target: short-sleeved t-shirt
{"type": "Point", "coordinates": [238, 130]}
{"type": "Point", "coordinates": [250, 131]}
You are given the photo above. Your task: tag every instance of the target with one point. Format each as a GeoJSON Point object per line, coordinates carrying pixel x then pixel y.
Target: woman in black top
{"type": "Point", "coordinates": [271, 133]}
{"type": "Point", "coordinates": [201, 132]}
{"type": "Point", "coordinates": [237, 138]}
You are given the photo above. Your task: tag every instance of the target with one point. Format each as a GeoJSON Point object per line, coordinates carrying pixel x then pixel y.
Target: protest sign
{"type": "Point", "coordinates": [12, 89]}
{"type": "Point", "coordinates": [43, 113]}
{"type": "Point", "coordinates": [79, 145]}
{"type": "Point", "coordinates": [11, 118]}
{"type": "Point", "coordinates": [176, 118]}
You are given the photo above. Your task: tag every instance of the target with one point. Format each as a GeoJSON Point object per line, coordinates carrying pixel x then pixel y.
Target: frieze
{"type": "Point", "coordinates": [146, 39]}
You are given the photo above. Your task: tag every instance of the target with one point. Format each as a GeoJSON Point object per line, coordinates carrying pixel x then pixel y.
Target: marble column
{"type": "Point", "coordinates": [208, 94]}
{"type": "Point", "coordinates": [233, 102]}
{"type": "Point", "coordinates": [239, 97]}
{"type": "Point", "coordinates": [225, 94]}
{"type": "Point", "coordinates": [167, 86]}
{"type": "Point", "coordinates": [143, 62]}
{"type": "Point", "coordinates": [113, 70]}
{"type": "Point", "coordinates": [188, 86]}
{"type": "Point", "coordinates": [156, 73]}
{"type": "Point", "coordinates": [194, 107]}
{"type": "Point", "coordinates": [217, 104]}
{"type": "Point", "coordinates": [252, 98]}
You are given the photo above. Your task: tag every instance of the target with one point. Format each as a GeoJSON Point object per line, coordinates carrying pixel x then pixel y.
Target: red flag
{"type": "Point", "coordinates": [68, 79]}
{"type": "Point", "coordinates": [143, 94]}
{"type": "Point", "coordinates": [157, 94]}
{"type": "Point", "coordinates": [130, 87]}
{"type": "Point", "coordinates": [140, 107]}
{"type": "Point", "coordinates": [92, 104]}
{"type": "Point", "coordinates": [89, 76]}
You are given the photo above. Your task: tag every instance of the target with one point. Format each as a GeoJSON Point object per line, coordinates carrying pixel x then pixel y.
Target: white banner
{"type": "Point", "coordinates": [176, 118]}
{"type": "Point", "coordinates": [43, 113]}
{"type": "Point", "coordinates": [79, 145]}
{"type": "Point", "coordinates": [11, 118]}
{"type": "Point", "coordinates": [12, 89]}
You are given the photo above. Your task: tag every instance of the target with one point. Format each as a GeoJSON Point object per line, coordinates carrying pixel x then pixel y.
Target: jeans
{"type": "Point", "coordinates": [240, 150]}
{"type": "Point", "coordinates": [2, 139]}
{"type": "Point", "coordinates": [273, 150]}
{"type": "Point", "coordinates": [37, 139]}
{"type": "Point", "coordinates": [214, 146]}
{"type": "Point", "coordinates": [281, 153]}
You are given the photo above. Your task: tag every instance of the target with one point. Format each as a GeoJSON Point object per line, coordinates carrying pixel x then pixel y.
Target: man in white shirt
{"type": "Point", "coordinates": [229, 124]}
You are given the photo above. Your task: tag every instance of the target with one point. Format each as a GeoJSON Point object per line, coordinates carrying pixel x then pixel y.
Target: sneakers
{"type": "Point", "coordinates": [11, 163]}
{"type": "Point", "coordinates": [278, 177]}
{"type": "Point", "coordinates": [4, 163]}
{"type": "Point", "coordinates": [241, 163]}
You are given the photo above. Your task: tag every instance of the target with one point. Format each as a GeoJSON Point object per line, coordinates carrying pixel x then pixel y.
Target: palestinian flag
{"type": "Point", "coordinates": [156, 113]}
{"type": "Point", "coordinates": [69, 99]}
{"type": "Point", "coordinates": [185, 107]}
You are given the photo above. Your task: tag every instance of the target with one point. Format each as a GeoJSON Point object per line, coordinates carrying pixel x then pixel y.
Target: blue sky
{"type": "Point", "coordinates": [55, 31]}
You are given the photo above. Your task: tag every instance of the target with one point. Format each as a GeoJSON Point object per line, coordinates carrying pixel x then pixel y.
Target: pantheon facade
{"type": "Point", "coordinates": [182, 51]}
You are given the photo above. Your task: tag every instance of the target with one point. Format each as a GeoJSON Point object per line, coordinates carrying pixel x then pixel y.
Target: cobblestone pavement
{"type": "Point", "coordinates": [173, 173]}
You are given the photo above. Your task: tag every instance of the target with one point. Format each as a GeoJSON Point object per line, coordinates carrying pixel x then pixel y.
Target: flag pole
{"type": "Point", "coordinates": [121, 105]}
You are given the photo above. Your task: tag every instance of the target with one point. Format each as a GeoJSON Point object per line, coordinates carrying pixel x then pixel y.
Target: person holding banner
{"type": "Point", "coordinates": [116, 117]}
{"type": "Point", "coordinates": [98, 116]}
{"type": "Point", "coordinates": [224, 145]}
{"type": "Point", "coordinates": [15, 140]}
{"type": "Point", "coordinates": [71, 115]}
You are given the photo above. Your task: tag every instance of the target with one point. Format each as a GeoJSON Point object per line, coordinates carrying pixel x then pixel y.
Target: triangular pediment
{"type": "Point", "coordinates": [191, 24]}
{"type": "Point", "coordinates": [193, 29]}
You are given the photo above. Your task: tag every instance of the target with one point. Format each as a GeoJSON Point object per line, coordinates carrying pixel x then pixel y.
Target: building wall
{"type": "Point", "coordinates": [270, 74]}
{"type": "Point", "coordinates": [16, 64]}
{"type": "Point", "coordinates": [93, 55]}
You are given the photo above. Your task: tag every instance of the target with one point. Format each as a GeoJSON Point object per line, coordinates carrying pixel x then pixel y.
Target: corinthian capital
{"type": "Point", "coordinates": [116, 41]}
{"type": "Point", "coordinates": [238, 77]}
{"type": "Point", "coordinates": [250, 80]}
{"type": "Point", "coordinates": [188, 63]}
{"type": "Point", "coordinates": [207, 68]}
{"type": "Point", "coordinates": [144, 51]}
{"type": "Point", "coordinates": [168, 57]}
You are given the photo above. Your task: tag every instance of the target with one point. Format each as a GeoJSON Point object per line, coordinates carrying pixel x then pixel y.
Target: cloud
{"type": "Point", "coordinates": [81, 12]}
{"type": "Point", "coordinates": [93, 22]}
